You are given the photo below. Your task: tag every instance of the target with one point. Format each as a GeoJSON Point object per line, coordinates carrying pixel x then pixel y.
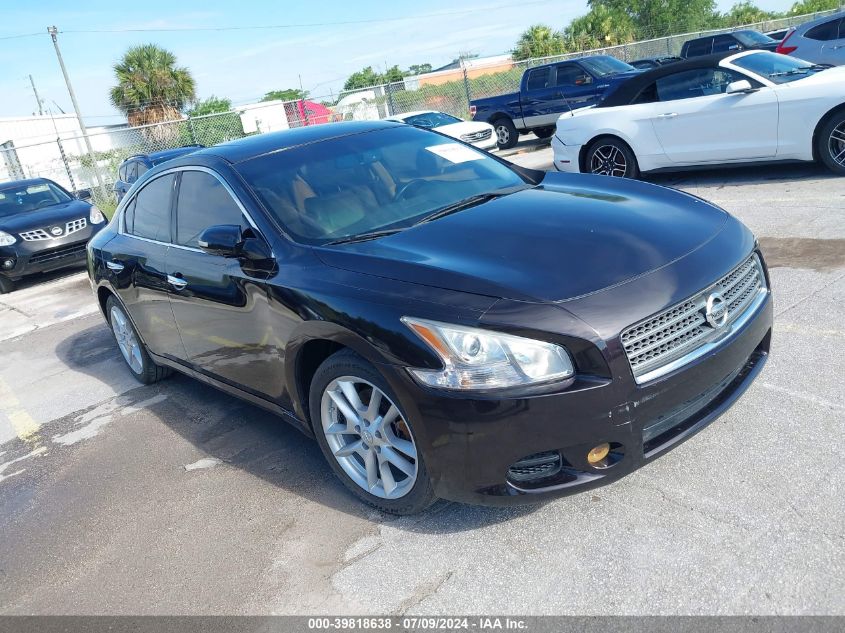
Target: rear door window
{"type": "Point", "coordinates": [699, 82]}
{"type": "Point", "coordinates": [151, 217]}
{"type": "Point", "coordinates": [538, 79]}
{"type": "Point", "coordinates": [825, 31]}
{"type": "Point", "coordinates": [724, 43]}
{"type": "Point", "coordinates": [699, 47]}
{"type": "Point", "coordinates": [569, 75]}
{"type": "Point", "coordinates": [203, 201]}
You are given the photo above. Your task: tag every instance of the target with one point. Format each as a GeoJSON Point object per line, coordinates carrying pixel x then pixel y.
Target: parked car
{"type": "Point", "coordinates": [42, 228]}
{"type": "Point", "coordinates": [820, 41]}
{"type": "Point", "coordinates": [410, 301]}
{"type": "Point", "coordinates": [648, 63]}
{"type": "Point", "coordinates": [545, 92]}
{"type": "Point", "coordinates": [736, 41]}
{"type": "Point", "coordinates": [754, 106]}
{"type": "Point", "coordinates": [472, 132]}
{"type": "Point", "coordinates": [135, 166]}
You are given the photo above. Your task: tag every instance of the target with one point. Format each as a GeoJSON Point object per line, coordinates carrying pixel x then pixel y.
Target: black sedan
{"type": "Point", "coordinates": [444, 323]}
{"type": "Point", "coordinates": [42, 228]}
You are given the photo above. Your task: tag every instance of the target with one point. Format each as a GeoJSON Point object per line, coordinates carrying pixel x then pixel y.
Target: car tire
{"type": "Point", "coordinates": [544, 132]}
{"type": "Point", "coordinates": [507, 135]}
{"type": "Point", "coordinates": [830, 144]}
{"type": "Point", "coordinates": [609, 156]}
{"type": "Point", "coordinates": [131, 347]}
{"type": "Point", "coordinates": [6, 285]}
{"type": "Point", "coordinates": [381, 465]}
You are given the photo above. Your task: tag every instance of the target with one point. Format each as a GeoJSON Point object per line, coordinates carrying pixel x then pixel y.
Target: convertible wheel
{"type": "Point", "coordinates": [611, 157]}
{"type": "Point", "coordinates": [366, 438]}
{"type": "Point", "coordinates": [131, 347]}
{"type": "Point", "coordinates": [831, 144]}
{"type": "Point", "coordinates": [506, 133]}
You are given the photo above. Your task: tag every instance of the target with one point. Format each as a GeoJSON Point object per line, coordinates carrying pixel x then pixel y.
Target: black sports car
{"type": "Point", "coordinates": [42, 228]}
{"type": "Point", "coordinates": [446, 324]}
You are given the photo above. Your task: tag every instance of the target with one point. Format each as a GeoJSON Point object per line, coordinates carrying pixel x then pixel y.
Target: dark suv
{"type": "Point", "coordinates": [135, 166]}
{"type": "Point", "coordinates": [42, 228]}
{"type": "Point", "coordinates": [723, 42]}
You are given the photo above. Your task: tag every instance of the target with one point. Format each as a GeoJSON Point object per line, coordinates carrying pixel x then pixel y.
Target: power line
{"type": "Point", "coordinates": [15, 37]}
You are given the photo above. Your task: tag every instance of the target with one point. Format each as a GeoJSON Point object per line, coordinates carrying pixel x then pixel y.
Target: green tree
{"type": "Point", "coordinates": [212, 105]}
{"type": "Point", "coordinates": [746, 12]}
{"type": "Point", "coordinates": [656, 18]}
{"type": "Point", "coordinates": [814, 6]}
{"type": "Point", "coordinates": [600, 27]}
{"type": "Point", "coordinates": [538, 40]}
{"type": "Point", "coordinates": [363, 79]}
{"type": "Point", "coordinates": [392, 75]}
{"type": "Point", "coordinates": [418, 69]}
{"type": "Point", "coordinates": [151, 88]}
{"type": "Point", "coordinates": [288, 94]}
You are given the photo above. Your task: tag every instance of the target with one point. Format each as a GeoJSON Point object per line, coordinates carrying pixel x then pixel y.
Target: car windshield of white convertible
{"type": "Point", "coordinates": [778, 68]}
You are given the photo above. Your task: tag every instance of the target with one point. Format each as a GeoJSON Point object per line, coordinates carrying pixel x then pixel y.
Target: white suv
{"type": "Point", "coordinates": [821, 41]}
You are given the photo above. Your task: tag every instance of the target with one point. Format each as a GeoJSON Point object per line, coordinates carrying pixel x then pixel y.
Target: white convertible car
{"type": "Point", "coordinates": [754, 106]}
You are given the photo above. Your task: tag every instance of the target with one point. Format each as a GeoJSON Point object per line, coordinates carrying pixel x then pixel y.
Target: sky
{"type": "Point", "coordinates": [244, 64]}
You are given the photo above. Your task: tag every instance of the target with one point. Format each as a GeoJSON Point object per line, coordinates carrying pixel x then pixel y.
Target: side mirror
{"type": "Point", "coordinates": [84, 194]}
{"type": "Point", "coordinates": [224, 240]}
{"type": "Point", "coordinates": [741, 86]}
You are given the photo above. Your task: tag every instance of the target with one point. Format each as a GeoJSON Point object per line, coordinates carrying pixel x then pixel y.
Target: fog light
{"type": "Point", "coordinates": [598, 453]}
{"type": "Point", "coordinates": [7, 264]}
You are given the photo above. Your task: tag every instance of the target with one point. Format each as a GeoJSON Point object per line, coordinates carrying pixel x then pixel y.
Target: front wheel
{"type": "Point", "coordinates": [506, 133]}
{"type": "Point", "coordinates": [830, 144]}
{"type": "Point", "coordinates": [365, 436]}
{"type": "Point", "coordinates": [611, 157]}
{"type": "Point", "coordinates": [544, 132]}
{"type": "Point", "coordinates": [131, 347]}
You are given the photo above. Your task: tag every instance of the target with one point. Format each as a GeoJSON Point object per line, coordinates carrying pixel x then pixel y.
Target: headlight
{"type": "Point", "coordinates": [475, 359]}
{"type": "Point", "coordinates": [96, 216]}
{"type": "Point", "coordinates": [6, 239]}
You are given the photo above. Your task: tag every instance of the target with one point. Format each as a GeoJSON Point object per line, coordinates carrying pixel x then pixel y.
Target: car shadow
{"type": "Point", "coordinates": [259, 442]}
{"type": "Point", "coordinates": [31, 281]}
{"type": "Point", "coordinates": [742, 175]}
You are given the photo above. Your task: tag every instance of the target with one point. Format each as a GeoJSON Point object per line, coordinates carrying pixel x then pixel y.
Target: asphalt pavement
{"type": "Point", "coordinates": [117, 498]}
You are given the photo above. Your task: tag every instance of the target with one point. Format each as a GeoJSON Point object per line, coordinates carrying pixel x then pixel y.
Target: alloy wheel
{"type": "Point", "coordinates": [371, 442]}
{"type": "Point", "coordinates": [126, 339]}
{"type": "Point", "coordinates": [608, 160]}
{"type": "Point", "coordinates": [503, 134]}
{"type": "Point", "coordinates": [836, 144]}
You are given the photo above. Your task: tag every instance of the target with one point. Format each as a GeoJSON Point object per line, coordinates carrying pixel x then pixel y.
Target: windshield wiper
{"type": "Point", "coordinates": [800, 71]}
{"type": "Point", "coordinates": [364, 237]}
{"type": "Point", "coordinates": [466, 203]}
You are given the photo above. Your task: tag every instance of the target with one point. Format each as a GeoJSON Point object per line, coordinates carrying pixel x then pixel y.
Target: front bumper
{"type": "Point", "coordinates": [44, 256]}
{"type": "Point", "coordinates": [470, 444]}
{"type": "Point", "coordinates": [566, 157]}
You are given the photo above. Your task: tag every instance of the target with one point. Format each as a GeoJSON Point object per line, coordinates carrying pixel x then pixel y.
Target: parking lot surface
{"type": "Point", "coordinates": [118, 498]}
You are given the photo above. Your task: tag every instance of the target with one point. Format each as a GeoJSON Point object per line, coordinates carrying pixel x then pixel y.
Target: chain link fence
{"type": "Point", "coordinates": [65, 159]}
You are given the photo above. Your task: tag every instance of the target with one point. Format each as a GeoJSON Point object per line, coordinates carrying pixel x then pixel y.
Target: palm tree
{"type": "Point", "coordinates": [538, 41]}
{"type": "Point", "coordinates": [151, 88]}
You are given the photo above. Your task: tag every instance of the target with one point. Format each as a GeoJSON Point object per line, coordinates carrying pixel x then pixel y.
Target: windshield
{"type": "Point", "coordinates": [22, 199]}
{"type": "Point", "coordinates": [431, 119]}
{"type": "Point", "coordinates": [753, 38]}
{"type": "Point", "coordinates": [602, 65]}
{"type": "Point", "coordinates": [381, 180]}
{"type": "Point", "coordinates": [776, 67]}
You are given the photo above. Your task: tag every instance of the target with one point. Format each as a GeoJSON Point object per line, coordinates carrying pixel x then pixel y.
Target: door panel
{"type": "Point", "coordinates": [714, 127]}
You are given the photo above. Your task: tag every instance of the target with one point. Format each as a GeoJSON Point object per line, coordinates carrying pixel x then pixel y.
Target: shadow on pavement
{"type": "Point", "coordinates": [259, 442]}
{"type": "Point", "coordinates": [742, 175]}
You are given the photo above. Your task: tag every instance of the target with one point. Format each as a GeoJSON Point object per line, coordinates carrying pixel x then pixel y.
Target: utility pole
{"type": "Point", "coordinates": [37, 98]}
{"type": "Point", "coordinates": [53, 31]}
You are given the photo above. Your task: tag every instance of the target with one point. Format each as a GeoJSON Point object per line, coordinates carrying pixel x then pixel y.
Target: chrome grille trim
{"type": "Point", "coordinates": [682, 333]}
{"type": "Point", "coordinates": [40, 235]}
{"type": "Point", "coordinates": [481, 135]}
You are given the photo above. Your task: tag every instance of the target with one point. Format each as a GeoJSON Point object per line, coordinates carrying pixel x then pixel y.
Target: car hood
{"type": "Point", "coordinates": [570, 236]}
{"type": "Point", "coordinates": [42, 218]}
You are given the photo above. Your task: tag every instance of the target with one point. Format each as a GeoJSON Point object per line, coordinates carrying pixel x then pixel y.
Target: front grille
{"type": "Point", "coordinates": [71, 250]}
{"type": "Point", "coordinates": [474, 137]}
{"type": "Point", "coordinates": [681, 329]}
{"type": "Point", "coordinates": [38, 235]}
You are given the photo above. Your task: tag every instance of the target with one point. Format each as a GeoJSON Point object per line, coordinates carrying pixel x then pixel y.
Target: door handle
{"type": "Point", "coordinates": [176, 282]}
{"type": "Point", "coordinates": [667, 115]}
{"type": "Point", "coordinates": [115, 266]}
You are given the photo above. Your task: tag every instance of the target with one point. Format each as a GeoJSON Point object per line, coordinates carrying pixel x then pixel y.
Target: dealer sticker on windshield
{"type": "Point", "coordinates": [455, 153]}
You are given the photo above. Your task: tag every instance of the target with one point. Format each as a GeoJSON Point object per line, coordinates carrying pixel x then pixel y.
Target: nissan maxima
{"type": "Point", "coordinates": [42, 228]}
{"type": "Point", "coordinates": [444, 323]}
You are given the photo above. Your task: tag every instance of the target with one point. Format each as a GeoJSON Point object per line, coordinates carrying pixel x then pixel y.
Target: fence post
{"type": "Point", "coordinates": [191, 130]}
{"type": "Point", "coordinates": [466, 84]}
{"type": "Point", "coordinates": [391, 107]}
{"type": "Point", "coordinates": [304, 111]}
{"type": "Point", "coordinates": [64, 161]}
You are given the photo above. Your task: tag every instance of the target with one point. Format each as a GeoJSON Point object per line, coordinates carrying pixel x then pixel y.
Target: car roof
{"type": "Point", "coordinates": [173, 152]}
{"type": "Point", "coordinates": [820, 20]}
{"type": "Point", "coordinates": [260, 144]}
{"type": "Point", "coordinates": [631, 88]}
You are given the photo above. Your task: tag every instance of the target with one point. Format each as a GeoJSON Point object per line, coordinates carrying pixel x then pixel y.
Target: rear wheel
{"type": "Point", "coordinates": [506, 133]}
{"type": "Point", "coordinates": [365, 436]}
{"type": "Point", "coordinates": [544, 132]}
{"type": "Point", "coordinates": [6, 285]}
{"type": "Point", "coordinates": [830, 144]}
{"type": "Point", "coordinates": [131, 347]}
{"type": "Point", "coordinates": [611, 157]}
